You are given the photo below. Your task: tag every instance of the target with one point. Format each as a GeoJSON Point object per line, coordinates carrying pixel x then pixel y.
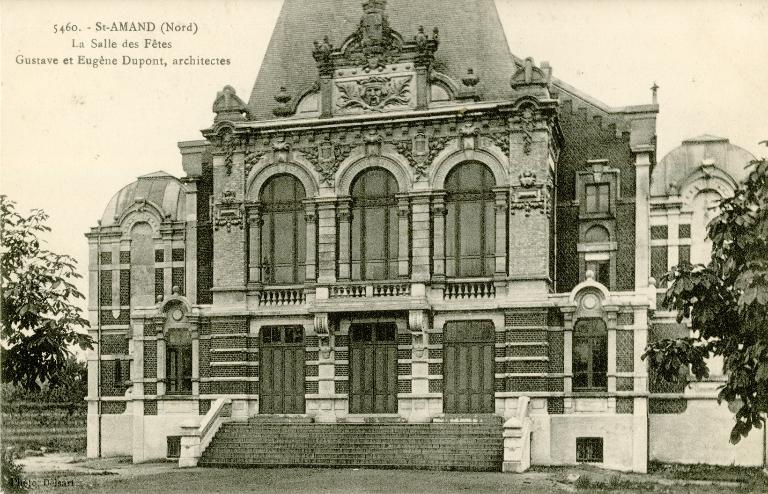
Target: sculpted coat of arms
{"type": "Point", "coordinates": [374, 94]}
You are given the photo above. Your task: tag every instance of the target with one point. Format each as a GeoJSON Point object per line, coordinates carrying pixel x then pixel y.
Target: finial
{"type": "Point", "coordinates": [654, 92]}
{"type": "Point", "coordinates": [175, 290]}
{"type": "Point", "coordinates": [471, 79]}
{"type": "Point", "coordinates": [590, 275]}
{"type": "Point", "coordinates": [282, 109]}
{"type": "Point", "coordinates": [159, 298]}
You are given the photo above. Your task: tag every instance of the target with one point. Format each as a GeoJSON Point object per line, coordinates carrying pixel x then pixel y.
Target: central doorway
{"type": "Point", "coordinates": [281, 369]}
{"type": "Point", "coordinates": [373, 368]}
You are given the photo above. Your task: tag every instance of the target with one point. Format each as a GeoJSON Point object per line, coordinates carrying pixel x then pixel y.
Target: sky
{"type": "Point", "coordinates": [72, 136]}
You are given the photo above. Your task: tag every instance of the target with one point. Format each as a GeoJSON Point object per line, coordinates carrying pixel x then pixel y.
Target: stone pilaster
{"type": "Point", "coordinates": [310, 217]}
{"type": "Point", "coordinates": [439, 212]}
{"type": "Point", "coordinates": [344, 216]}
{"type": "Point", "coordinates": [254, 244]}
{"type": "Point", "coordinates": [326, 248]}
{"type": "Point", "coordinates": [403, 222]}
{"type": "Point", "coordinates": [642, 217]}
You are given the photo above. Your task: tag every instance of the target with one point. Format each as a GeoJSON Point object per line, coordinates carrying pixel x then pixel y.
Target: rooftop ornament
{"type": "Point", "coordinates": [228, 106]}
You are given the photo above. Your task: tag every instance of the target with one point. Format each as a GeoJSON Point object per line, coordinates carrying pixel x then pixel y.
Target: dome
{"type": "Point", "coordinates": [706, 150]}
{"type": "Point", "coordinates": [160, 189]}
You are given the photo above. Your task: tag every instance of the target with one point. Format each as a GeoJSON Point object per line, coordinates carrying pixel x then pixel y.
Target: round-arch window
{"type": "Point", "coordinates": [597, 234]}
{"type": "Point", "coordinates": [470, 236]}
{"type": "Point", "coordinates": [283, 233]}
{"type": "Point", "coordinates": [374, 228]}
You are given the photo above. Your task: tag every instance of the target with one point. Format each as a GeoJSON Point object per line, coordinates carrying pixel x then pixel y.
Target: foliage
{"type": "Point", "coordinates": [68, 386]}
{"type": "Point", "coordinates": [12, 475]}
{"type": "Point", "coordinates": [726, 302]}
{"type": "Point", "coordinates": [39, 322]}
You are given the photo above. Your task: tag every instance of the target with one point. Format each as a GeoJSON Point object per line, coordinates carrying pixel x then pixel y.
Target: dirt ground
{"type": "Point", "coordinates": [70, 474]}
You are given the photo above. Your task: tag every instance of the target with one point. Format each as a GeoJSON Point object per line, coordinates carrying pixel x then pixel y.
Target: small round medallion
{"type": "Point", "coordinates": [589, 301]}
{"type": "Point", "coordinates": [177, 314]}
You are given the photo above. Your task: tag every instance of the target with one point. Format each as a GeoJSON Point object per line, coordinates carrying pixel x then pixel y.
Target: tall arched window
{"type": "Point", "coordinates": [374, 226]}
{"type": "Point", "coordinates": [590, 355]}
{"type": "Point", "coordinates": [470, 229]}
{"type": "Point", "coordinates": [283, 234]}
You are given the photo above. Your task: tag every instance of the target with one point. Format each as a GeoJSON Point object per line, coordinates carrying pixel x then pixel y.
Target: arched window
{"type": "Point", "coordinates": [590, 355]}
{"type": "Point", "coordinates": [374, 226]}
{"type": "Point", "coordinates": [283, 234]}
{"type": "Point", "coordinates": [178, 362]}
{"type": "Point", "coordinates": [470, 229]}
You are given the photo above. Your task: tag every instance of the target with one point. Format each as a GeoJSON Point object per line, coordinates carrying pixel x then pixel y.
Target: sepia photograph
{"type": "Point", "coordinates": [384, 246]}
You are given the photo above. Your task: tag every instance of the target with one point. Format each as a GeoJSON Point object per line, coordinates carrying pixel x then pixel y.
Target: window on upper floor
{"type": "Point", "coordinates": [602, 270]}
{"type": "Point", "coordinates": [283, 233]}
{"type": "Point", "coordinates": [374, 229]}
{"type": "Point", "coordinates": [598, 197]}
{"type": "Point", "coordinates": [470, 228]}
{"type": "Point", "coordinates": [178, 362]}
{"type": "Point", "coordinates": [590, 355]}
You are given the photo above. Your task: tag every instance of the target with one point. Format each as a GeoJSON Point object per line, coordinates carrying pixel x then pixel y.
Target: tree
{"type": "Point", "coordinates": [726, 302]}
{"type": "Point", "coordinates": [39, 320]}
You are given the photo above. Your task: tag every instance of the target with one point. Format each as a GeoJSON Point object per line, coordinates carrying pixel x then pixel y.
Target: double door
{"type": "Point", "coordinates": [373, 368]}
{"type": "Point", "coordinates": [468, 367]}
{"type": "Point", "coordinates": [281, 370]}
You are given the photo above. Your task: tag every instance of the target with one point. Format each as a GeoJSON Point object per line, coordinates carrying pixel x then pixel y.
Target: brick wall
{"type": "Point", "coordinates": [587, 138]}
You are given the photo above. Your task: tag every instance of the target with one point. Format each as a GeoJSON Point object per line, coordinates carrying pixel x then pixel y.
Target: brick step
{"type": "Point", "coordinates": [446, 446]}
{"type": "Point", "coordinates": [473, 467]}
{"type": "Point", "coordinates": [360, 444]}
{"type": "Point", "coordinates": [346, 435]}
{"type": "Point", "coordinates": [253, 452]}
{"type": "Point", "coordinates": [359, 459]}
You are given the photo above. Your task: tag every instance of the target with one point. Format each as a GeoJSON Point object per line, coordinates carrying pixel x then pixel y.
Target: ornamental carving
{"type": "Point", "coordinates": [325, 167]}
{"type": "Point", "coordinates": [527, 201]}
{"type": "Point", "coordinates": [421, 151]}
{"type": "Point", "coordinates": [526, 124]}
{"type": "Point", "coordinates": [374, 43]}
{"type": "Point", "coordinates": [377, 93]}
{"type": "Point", "coordinates": [229, 214]}
{"type": "Point", "coordinates": [527, 179]}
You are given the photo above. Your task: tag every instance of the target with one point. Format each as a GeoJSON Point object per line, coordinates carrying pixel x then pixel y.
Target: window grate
{"type": "Point", "coordinates": [589, 449]}
{"type": "Point", "coordinates": [174, 446]}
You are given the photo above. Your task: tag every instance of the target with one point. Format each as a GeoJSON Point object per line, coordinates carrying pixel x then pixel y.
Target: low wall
{"type": "Point", "coordinates": [701, 434]}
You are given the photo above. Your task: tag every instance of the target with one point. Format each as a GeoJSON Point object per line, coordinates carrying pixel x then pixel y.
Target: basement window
{"type": "Point", "coordinates": [174, 446]}
{"type": "Point", "coordinates": [589, 449]}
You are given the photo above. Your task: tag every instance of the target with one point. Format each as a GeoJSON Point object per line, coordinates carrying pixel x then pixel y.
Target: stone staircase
{"type": "Point", "coordinates": [462, 443]}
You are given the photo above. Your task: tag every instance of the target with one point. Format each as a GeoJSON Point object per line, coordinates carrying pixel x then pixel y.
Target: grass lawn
{"type": "Point", "coordinates": [167, 479]}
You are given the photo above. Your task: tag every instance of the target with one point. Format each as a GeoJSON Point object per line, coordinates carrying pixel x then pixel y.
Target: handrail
{"type": "Point", "coordinates": [196, 438]}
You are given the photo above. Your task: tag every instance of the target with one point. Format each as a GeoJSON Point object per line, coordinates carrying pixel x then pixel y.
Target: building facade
{"type": "Point", "coordinates": [400, 222]}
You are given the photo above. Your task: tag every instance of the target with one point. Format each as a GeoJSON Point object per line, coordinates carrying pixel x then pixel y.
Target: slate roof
{"type": "Point", "coordinates": [471, 35]}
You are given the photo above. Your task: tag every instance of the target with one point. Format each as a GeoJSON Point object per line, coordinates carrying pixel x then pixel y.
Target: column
{"type": "Point", "coordinates": [190, 244]}
{"type": "Point", "coordinates": [611, 351]}
{"type": "Point", "coordinates": [642, 216]}
{"type": "Point", "coordinates": [344, 215]}
{"type": "Point", "coordinates": [254, 244]}
{"type": "Point", "coordinates": [194, 331]}
{"type": "Point", "coordinates": [159, 324]}
{"type": "Point", "coordinates": [326, 249]}
{"type": "Point", "coordinates": [502, 207]}
{"type": "Point", "coordinates": [568, 350]}
{"type": "Point", "coordinates": [438, 236]}
{"type": "Point", "coordinates": [403, 216]}
{"type": "Point", "coordinates": [310, 218]}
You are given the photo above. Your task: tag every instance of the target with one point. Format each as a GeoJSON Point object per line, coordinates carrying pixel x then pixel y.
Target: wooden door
{"type": "Point", "coordinates": [281, 370]}
{"type": "Point", "coordinates": [468, 370]}
{"type": "Point", "coordinates": [373, 368]}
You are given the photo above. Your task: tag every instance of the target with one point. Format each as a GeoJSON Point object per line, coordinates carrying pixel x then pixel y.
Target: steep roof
{"type": "Point", "coordinates": [471, 35]}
